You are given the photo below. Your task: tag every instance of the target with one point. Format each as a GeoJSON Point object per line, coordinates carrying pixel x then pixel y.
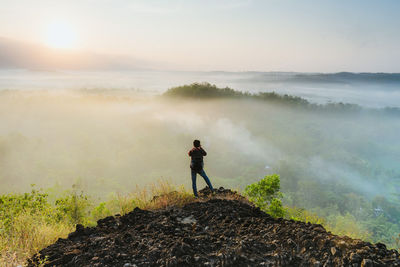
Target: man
{"type": "Point", "coordinates": [197, 165]}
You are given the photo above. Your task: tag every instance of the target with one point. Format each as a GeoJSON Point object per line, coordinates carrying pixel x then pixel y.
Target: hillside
{"type": "Point", "coordinates": [216, 230]}
{"type": "Point", "coordinates": [210, 91]}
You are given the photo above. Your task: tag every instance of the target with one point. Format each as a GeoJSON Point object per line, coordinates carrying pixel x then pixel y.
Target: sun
{"type": "Point", "coordinates": [60, 34]}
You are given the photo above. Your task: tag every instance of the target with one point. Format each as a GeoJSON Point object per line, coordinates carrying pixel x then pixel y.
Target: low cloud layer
{"type": "Point", "coordinates": [113, 141]}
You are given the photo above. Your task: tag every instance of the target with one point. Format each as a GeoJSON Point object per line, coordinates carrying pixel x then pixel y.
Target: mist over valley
{"type": "Point", "coordinates": [106, 141]}
{"type": "Point", "coordinates": [376, 90]}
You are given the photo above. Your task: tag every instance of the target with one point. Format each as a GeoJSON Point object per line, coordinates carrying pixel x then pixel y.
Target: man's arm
{"type": "Point", "coordinates": [203, 151]}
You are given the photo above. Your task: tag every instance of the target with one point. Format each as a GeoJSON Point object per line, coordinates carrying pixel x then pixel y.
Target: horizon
{"type": "Point", "coordinates": [66, 70]}
{"type": "Point", "coordinates": [231, 36]}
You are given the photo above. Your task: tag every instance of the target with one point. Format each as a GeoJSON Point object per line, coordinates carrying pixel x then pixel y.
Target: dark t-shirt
{"type": "Point", "coordinates": [197, 154]}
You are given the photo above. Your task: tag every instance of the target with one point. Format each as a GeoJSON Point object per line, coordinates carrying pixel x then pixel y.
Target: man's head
{"type": "Point", "coordinates": [196, 143]}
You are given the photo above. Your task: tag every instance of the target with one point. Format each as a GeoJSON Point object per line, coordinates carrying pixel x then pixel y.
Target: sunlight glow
{"type": "Point", "coordinates": [61, 35]}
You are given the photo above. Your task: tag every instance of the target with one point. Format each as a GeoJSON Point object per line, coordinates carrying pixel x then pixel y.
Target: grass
{"type": "Point", "coordinates": [160, 195]}
{"type": "Point", "coordinates": [30, 222]}
{"type": "Point", "coordinates": [27, 235]}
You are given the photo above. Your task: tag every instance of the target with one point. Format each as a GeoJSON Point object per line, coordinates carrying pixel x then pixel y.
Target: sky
{"type": "Point", "coordinates": [235, 35]}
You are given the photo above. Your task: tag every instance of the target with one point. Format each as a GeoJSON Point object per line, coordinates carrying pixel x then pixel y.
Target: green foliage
{"type": "Point", "coordinates": [381, 227]}
{"type": "Point", "coordinates": [74, 207]}
{"type": "Point", "coordinates": [397, 240]}
{"type": "Point", "coordinates": [275, 208]}
{"type": "Point", "coordinates": [206, 91]}
{"type": "Point", "coordinates": [303, 215]}
{"type": "Point", "coordinates": [265, 194]}
{"type": "Point", "coordinates": [288, 99]}
{"type": "Point", "coordinates": [12, 205]}
{"type": "Point", "coordinates": [101, 211]}
{"type": "Point", "coordinates": [30, 221]}
{"type": "Point", "coordinates": [347, 225]}
{"type": "Point", "coordinates": [121, 204]}
{"type": "Point", "coordinates": [372, 221]}
{"type": "Point", "coordinates": [203, 90]}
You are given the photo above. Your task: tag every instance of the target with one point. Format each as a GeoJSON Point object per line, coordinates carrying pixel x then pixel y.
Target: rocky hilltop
{"type": "Point", "coordinates": [215, 230]}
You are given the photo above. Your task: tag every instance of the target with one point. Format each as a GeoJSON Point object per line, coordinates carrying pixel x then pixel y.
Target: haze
{"type": "Point", "coordinates": [113, 140]}
{"type": "Point", "coordinates": [238, 35]}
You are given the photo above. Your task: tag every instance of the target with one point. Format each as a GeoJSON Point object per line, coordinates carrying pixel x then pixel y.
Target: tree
{"type": "Point", "coordinates": [265, 195]}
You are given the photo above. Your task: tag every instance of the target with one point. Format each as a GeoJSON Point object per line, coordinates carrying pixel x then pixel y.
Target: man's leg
{"type": "Point", "coordinates": [194, 183]}
{"type": "Point", "coordinates": [204, 175]}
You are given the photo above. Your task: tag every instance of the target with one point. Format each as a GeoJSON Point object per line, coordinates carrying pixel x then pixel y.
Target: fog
{"type": "Point", "coordinates": [110, 141]}
{"type": "Point", "coordinates": [375, 90]}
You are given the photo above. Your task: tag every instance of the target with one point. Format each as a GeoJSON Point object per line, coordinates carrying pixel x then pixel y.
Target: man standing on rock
{"type": "Point", "coordinates": [197, 165]}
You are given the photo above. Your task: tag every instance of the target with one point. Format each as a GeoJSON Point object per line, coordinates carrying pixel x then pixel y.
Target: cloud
{"type": "Point", "coordinates": [238, 137]}
{"type": "Point", "coordinates": [327, 171]}
{"type": "Point", "coordinates": [18, 54]}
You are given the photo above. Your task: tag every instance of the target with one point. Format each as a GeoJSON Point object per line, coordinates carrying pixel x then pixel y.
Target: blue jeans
{"type": "Point", "coordinates": [202, 174]}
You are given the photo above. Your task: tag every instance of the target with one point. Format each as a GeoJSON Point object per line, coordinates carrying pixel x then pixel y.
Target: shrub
{"type": "Point", "coordinates": [74, 207]}
{"type": "Point", "coordinates": [161, 195]}
{"type": "Point", "coordinates": [303, 215]}
{"type": "Point", "coordinates": [266, 195]}
{"type": "Point", "coordinates": [28, 222]}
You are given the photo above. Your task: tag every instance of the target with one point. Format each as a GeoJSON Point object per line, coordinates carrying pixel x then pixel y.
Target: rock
{"type": "Point", "coordinates": [342, 244]}
{"type": "Point", "coordinates": [381, 246]}
{"type": "Point", "coordinates": [79, 228]}
{"type": "Point", "coordinates": [219, 229]}
{"type": "Point", "coordinates": [367, 263]}
{"type": "Point", "coordinates": [354, 257]}
{"type": "Point", "coordinates": [188, 220]}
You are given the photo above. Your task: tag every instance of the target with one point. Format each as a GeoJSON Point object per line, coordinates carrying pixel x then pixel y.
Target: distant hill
{"type": "Point", "coordinates": [210, 91]}
{"type": "Point", "coordinates": [346, 77]}
{"type": "Point", "coordinates": [325, 78]}
{"type": "Point", "coordinates": [25, 55]}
